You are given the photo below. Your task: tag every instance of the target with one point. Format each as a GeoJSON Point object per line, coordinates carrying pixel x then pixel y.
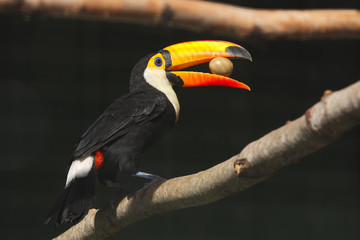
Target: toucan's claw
{"type": "Point", "coordinates": [153, 179]}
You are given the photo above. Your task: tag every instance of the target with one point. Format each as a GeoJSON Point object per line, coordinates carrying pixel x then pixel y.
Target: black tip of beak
{"type": "Point", "coordinates": [238, 52]}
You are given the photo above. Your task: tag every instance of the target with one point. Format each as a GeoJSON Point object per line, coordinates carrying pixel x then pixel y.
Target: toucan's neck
{"type": "Point", "coordinates": [145, 78]}
{"type": "Point", "coordinates": [156, 78]}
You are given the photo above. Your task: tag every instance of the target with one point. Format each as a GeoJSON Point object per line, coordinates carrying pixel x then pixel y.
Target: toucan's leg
{"type": "Point", "coordinates": [115, 185]}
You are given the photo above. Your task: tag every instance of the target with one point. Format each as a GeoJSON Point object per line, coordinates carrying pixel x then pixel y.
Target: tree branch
{"type": "Point", "coordinates": [201, 16]}
{"type": "Point", "coordinates": [335, 114]}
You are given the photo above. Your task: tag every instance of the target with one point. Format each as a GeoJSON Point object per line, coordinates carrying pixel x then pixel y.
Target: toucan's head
{"type": "Point", "coordinates": [161, 70]}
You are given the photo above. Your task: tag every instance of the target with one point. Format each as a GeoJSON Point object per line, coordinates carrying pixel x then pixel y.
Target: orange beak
{"type": "Point", "coordinates": [187, 54]}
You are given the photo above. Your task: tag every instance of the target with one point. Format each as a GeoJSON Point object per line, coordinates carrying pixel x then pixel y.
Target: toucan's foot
{"type": "Point", "coordinates": [153, 179]}
{"type": "Point", "coordinates": [150, 176]}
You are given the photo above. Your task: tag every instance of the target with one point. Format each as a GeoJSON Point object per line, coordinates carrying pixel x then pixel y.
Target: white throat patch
{"type": "Point", "coordinates": [157, 78]}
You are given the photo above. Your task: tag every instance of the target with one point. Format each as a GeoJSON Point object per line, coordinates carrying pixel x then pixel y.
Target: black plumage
{"type": "Point", "coordinates": [73, 202]}
{"type": "Point", "coordinates": [129, 126]}
{"type": "Point", "coordinates": [137, 121]}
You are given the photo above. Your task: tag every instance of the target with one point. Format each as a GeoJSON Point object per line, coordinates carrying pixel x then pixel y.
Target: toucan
{"type": "Point", "coordinates": [115, 142]}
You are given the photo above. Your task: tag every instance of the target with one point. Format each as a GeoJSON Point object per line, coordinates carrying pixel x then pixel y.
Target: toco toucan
{"type": "Point", "coordinates": [132, 123]}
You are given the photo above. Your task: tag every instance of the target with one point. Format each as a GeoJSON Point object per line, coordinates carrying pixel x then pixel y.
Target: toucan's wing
{"type": "Point", "coordinates": [117, 120]}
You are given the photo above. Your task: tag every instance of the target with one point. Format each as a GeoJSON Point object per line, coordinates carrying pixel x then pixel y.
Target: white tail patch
{"type": "Point", "coordinates": [79, 168]}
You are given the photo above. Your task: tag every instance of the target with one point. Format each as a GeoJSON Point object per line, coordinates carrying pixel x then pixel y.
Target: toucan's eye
{"type": "Point", "coordinates": [158, 62]}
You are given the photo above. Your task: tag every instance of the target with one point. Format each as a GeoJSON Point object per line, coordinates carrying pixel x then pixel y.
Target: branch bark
{"type": "Point", "coordinates": [202, 16]}
{"type": "Point", "coordinates": [336, 113]}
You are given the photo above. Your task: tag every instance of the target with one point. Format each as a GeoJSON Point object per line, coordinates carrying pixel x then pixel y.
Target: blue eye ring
{"type": "Point", "coordinates": [158, 62]}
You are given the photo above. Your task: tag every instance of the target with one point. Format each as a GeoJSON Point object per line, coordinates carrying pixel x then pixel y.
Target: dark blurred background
{"type": "Point", "coordinates": [58, 75]}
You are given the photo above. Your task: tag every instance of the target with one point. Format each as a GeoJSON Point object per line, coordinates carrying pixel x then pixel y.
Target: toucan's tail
{"type": "Point", "coordinates": [75, 201]}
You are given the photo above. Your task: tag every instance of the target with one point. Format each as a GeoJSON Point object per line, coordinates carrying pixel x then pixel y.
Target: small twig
{"type": "Point", "coordinates": [336, 113]}
{"type": "Point", "coordinates": [221, 19]}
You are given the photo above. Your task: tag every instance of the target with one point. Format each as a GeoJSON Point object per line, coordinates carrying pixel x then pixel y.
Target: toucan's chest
{"type": "Point", "coordinates": [143, 135]}
{"type": "Point", "coordinates": [124, 152]}
{"type": "Point", "coordinates": [155, 117]}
